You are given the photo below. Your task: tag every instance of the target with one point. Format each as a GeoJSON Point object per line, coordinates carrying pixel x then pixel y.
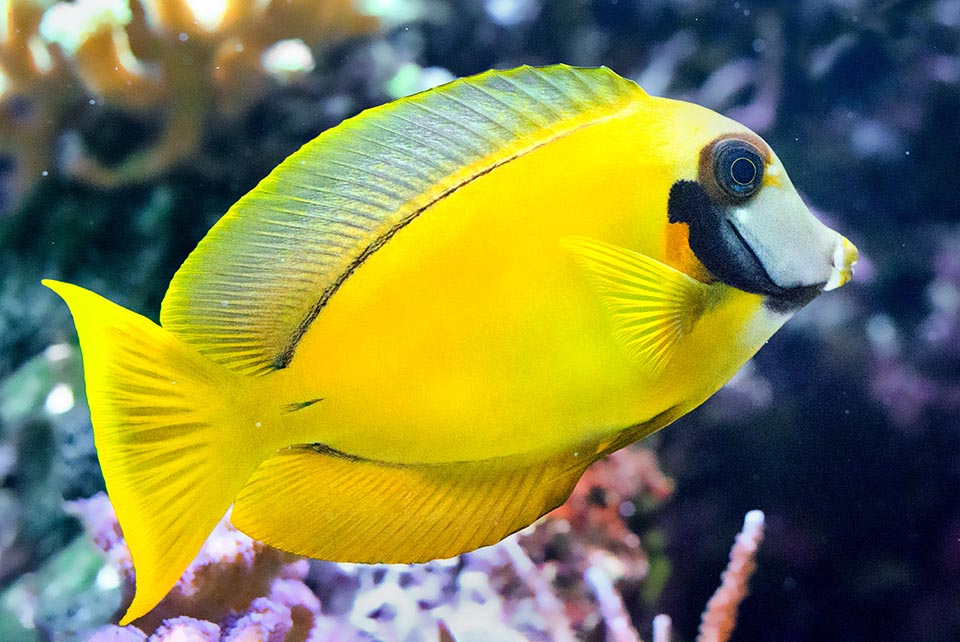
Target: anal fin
{"type": "Point", "coordinates": [314, 501]}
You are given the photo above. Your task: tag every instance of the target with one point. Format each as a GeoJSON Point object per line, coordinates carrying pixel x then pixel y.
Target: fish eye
{"type": "Point", "coordinates": [737, 167]}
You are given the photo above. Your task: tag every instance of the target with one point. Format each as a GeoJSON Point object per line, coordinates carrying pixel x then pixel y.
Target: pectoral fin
{"type": "Point", "coordinates": [651, 305]}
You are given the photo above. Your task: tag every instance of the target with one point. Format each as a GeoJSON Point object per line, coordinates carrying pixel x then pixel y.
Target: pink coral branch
{"type": "Point", "coordinates": [720, 616]}
{"type": "Point", "coordinates": [611, 606]}
{"type": "Point", "coordinates": [545, 598]}
{"type": "Point", "coordinates": [662, 628]}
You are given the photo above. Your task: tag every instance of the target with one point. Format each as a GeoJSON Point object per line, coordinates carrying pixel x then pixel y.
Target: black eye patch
{"type": "Point", "coordinates": [723, 251]}
{"type": "Point", "coordinates": [714, 240]}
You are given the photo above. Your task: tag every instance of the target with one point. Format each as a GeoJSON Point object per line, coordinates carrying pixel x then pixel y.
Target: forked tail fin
{"type": "Point", "coordinates": [173, 443]}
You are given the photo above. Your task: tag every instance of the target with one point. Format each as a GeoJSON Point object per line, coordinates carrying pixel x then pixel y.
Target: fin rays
{"type": "Point", "coordinates": [248, 292]}
{"type": "Point", "coordinates": [160, 424]}
{"type": "Point", "coordinates": [651, 305]}
{"type": "Point", "coordinates": [381, 512]}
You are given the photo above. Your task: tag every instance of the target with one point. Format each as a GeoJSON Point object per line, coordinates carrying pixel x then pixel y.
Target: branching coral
{"type": "Point", "coordinates": [237, 585]}
{"type": "Point", "coordinates": [34, 92]}
{"type": "Point", "coordinates": [188, 60]}
{"type": "Point", "coordinates": [515, 590]}
{"type": "Point", "coordinates": [239, 589]}
{"type": "Point", "coordinates": [662, 628]}
{"type": "Point", "coordinates": [720, 615]}
{"type": "Point", "coordinates": [182, 65]}
{"type": "Point", "coordinates": [590, 529]}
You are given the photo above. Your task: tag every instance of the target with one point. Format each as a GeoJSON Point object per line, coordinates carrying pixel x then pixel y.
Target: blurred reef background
{"type": "Point", "coordinates": [127, 127]}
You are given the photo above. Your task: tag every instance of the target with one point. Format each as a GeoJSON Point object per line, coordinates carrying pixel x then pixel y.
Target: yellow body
{"type": "Point", "coordinates": [473, 334]}
{"type": "Point", "coordinates": [412, 338]}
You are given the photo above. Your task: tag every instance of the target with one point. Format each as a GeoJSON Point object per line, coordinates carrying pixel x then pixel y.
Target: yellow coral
{"type": "Point", "coordinates": [187, 61]}
{"type": "Point", "coordinates": [33, 92]}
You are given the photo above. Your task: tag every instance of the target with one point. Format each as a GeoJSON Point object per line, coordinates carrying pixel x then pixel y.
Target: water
{"type": "Point", "coordinates": [845, 429]}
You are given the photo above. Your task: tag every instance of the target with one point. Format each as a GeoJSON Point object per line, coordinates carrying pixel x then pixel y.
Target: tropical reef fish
{"type": "Point", "coordinates": [413, 336]}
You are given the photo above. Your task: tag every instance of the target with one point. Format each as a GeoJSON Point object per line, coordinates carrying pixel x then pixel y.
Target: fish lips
{"type": "Point", "coordinates": [717, 242]}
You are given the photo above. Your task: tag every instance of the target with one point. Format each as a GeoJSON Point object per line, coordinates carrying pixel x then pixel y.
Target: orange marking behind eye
{"type": "Point", "coordinates": [678, 254]}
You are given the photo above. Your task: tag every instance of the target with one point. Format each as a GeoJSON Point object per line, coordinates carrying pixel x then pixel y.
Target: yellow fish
{"type": "Point", "coordinates": [413, 336]}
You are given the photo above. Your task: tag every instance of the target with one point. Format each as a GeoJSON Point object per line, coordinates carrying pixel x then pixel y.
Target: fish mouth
{"type": "Point", "coordinates": [792, 298]}
{"type": "Point", "coordinates": [845, 257]}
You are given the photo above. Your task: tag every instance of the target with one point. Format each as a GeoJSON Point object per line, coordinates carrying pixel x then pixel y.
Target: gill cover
{"type": "Point", "coordinates": [750, 229]}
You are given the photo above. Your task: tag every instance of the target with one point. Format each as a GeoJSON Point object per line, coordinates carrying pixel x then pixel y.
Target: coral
{"type": "Point", "coordinates": [239, 589]}
{"type": "Point", "coordinates": [34, 91]}
{"type": "Point", "coordinates": [558, 580]}
{"type": "Point", "coordinates": [590, 529]}
{"type": "Point", "coordinates": [614, 615]}
{"type": "Point", "coordinates": [180, 66]}
{"type": "Point", "coordinates": [720, 616]}
{"type": "Point", "coordinates": [662, 628]}
{"type": "Point", "coordinates": [113, 633]}
{"type": "Point", "coordinates": [235, 583]}
{"type": "Point", "coordinates": [543, 584]}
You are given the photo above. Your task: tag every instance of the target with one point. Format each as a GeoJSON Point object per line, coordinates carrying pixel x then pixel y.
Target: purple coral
{"type": "Point", "coordinates": [239, 590]}
{"type": "Point", "coordinates": [235, 584]}
{"type": "Point", "coordinates": [186, 629]}
{"type": "Point", "coordinates": [113, 633]}
{"type": "Point", "coordinates": [264, 621]}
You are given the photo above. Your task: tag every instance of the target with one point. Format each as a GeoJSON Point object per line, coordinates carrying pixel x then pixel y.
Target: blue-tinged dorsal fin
{"type": "Point", "coordinates": [253, 285]}
{"type": "Point", "coordinates": [651, 305]}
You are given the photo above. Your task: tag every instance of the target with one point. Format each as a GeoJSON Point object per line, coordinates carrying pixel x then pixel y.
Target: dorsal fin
{"type": "Point", "coordinates": [253, 285]}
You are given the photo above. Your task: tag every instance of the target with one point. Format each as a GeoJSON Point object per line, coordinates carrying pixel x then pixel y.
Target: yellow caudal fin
{"type": "Point", "coordinates": [169, 441]}
{"type": "Point", "coordinates": [314, 501]}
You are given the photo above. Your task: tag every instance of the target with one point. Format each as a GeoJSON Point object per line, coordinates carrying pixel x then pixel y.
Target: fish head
{"type": "Point", "coordinates": [749, 227]}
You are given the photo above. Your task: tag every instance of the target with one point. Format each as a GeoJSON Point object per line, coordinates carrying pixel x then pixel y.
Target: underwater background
{"type": "Point", "coordinates": [127, 127]}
